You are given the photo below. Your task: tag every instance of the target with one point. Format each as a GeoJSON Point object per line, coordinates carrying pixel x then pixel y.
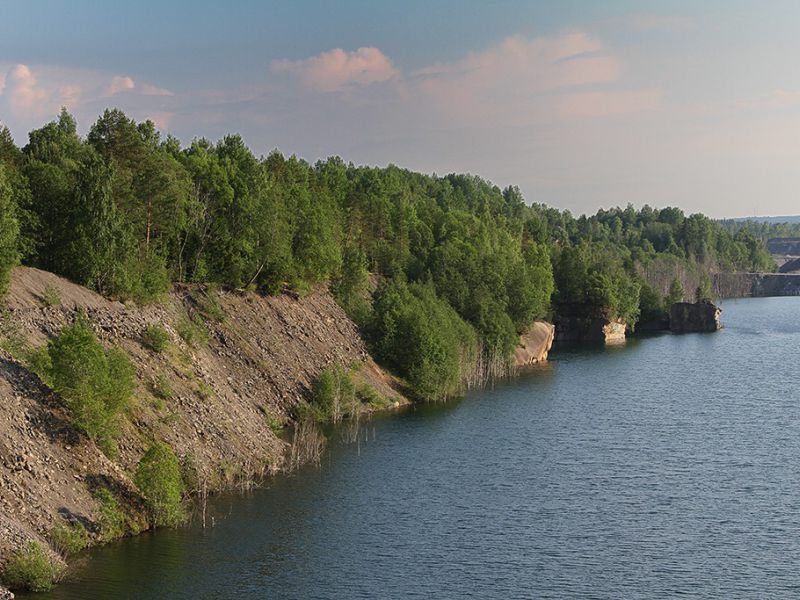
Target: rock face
{"type": "Point", "coordinates": [590, 329]}
{"type": "Point", "coordinates": [535, 344]}
{"type": "Point", "coordinates": [685, 317]}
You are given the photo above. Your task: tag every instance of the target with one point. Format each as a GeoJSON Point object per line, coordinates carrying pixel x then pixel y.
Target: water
{"type": "Point", "coordinates": [662, 468]}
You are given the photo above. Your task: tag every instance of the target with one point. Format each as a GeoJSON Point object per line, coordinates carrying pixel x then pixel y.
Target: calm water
{"type": "Point", "coordinates": [663, 468]}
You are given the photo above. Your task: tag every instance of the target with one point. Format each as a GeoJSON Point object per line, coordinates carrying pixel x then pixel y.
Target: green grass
{"type": "Point", "coordinates": [31, 569]}
{"type": "Point", "coordinates": [193, 331]}
{"type": "Point", "coordinates": [69, 538]}
{"type": "Point", "coordinates": [155, 337]}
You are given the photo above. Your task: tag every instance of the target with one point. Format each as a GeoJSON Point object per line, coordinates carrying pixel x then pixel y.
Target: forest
{"type": "Point", "coordinates": [441, 273]}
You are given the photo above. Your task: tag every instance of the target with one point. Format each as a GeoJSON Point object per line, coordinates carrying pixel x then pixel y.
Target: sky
{"type": "Point", "coordinates": [582, 104]}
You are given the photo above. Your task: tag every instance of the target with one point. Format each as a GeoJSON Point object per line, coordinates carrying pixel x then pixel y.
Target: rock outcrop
{"type": "Point", "coordinates": [686, 317]}
{"type": "Point", "coordinates": [590, 329]}
{"type": "Point", "coordinates": [535, 344]}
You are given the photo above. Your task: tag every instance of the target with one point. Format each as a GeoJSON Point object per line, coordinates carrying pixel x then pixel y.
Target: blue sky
{"type": "Point", "coordinates": [581, 104]}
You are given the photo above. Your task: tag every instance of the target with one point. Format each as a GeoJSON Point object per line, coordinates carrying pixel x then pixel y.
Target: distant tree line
{"type": "Point", "coordinates": [441, 273]}
{"type": "Point", "coordinates": [762, 229]}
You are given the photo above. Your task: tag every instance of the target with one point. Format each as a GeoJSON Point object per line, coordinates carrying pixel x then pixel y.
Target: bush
{"type": "Point", "coordinates": [31, 569]}
{"type": "Point", "coordinates": [96, 383]}
{"type": "Point", "coordinates": [163, 388]}
{"type": "Point", "coordinates": [112, 520]}
{"type": "Point", "coordinates": [51, 295]}
{"type": "Point", "coordinates": [193, 331]}
{"type": "Point", "coordinates": [158, 477]}
{"type": "Point", "coordinates": [368, 395]}
{"type": "Point", "coordinates": [209, 305]}
{"type": "Point", "coordinates": [333, 395]}
{"type": "Point", "coordinates": [205, 391]}
{"type": "Point", "coordinates": [69, 539]}
{"type": "Point", "coordinates": [156, 337]}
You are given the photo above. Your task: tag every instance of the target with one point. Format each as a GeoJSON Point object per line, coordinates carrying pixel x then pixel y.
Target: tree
{"type": "Point", "coordinates": [9, 232]}
{"type": "Point", "coordinates": [158, 477]}
{"type": "Point", "coordinates": [95, 383]}
{"type": "Point", "coordinates": [676, 293]}
{"type": "Point", "coordinates": [704, 293]}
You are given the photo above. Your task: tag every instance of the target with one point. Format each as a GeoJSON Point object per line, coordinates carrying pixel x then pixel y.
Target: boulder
{"type": "Point", "coordinates": [534, 344]}
{"type": "Point", "coordinates": [686, 317]}
{"type": "Point", "coordinates": [5, 594]}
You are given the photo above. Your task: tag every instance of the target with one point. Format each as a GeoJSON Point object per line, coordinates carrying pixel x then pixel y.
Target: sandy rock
{"type": "Point", "coordinates": [535, 344]}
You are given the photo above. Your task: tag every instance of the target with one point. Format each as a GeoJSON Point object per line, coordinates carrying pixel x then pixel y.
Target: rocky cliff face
{"type": "Point", "coordinates": [590, 329]}
{"type": "Point", "coordinates": [685, 317]}
{"type": "Point", "coordinates": [534, 345]}
{"type": "Point", "coordinates": [224, 401]}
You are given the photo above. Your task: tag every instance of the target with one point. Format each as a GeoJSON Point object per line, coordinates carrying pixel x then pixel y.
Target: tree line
{"type": "Point", "coordinates": [442, 273]}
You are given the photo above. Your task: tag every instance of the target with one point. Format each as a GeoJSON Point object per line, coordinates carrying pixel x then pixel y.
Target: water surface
{"type": "Point", "coordinates": [667, 467]}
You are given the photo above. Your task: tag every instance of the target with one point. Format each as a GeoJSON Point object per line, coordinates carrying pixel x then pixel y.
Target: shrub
{"type": "Point", "coordinates": [155, 337]}
{"type": "Point", "coordinates": [158, 477]}
{"type": "Point", "coordinates": [68, 539]}
{"type": "Point", "coordinates": [367, 394]}
{"type": "Point", "coordinates": [96, 383]}
{"type": "Point", "coordinates": [193, 331]}
{"type": "Point", "coordinates": [32, 569]}
{"type": "Point", "coordinates": [51, 295]}
{"type": "Point", "coordinates": [163, 388]}
{"type": "Point", "coordinates": [209, 305]}
{"type": "Point", "coordinates": [333, 395]}
{"type": "Point", "coordinates": [112, 520]}
{"type": "Point", "coordinates": [204, 390]}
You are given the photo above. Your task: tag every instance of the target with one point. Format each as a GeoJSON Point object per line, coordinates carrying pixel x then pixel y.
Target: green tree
{"type": "Point", "coordinates": [676, 293]}
{"type": "Point", "coordinates": [158, 477]}
{"type": "Point", "coordinates": [95, 383]}
{"type": "Point", "coordinates": [9, 233]}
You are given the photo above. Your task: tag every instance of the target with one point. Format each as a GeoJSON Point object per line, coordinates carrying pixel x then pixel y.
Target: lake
{"type": "Point", "coordinates": [664, 467]}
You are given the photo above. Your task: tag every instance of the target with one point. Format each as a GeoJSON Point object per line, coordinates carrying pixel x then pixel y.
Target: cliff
{"type": "Point", "coordinates": [226, 396]}
{"type": "Point", "coordinates": [590, 329]}
{"type": "Point", "coordinates": [685, 317]}
{"type": "Point", "coordinates": [534, 345]}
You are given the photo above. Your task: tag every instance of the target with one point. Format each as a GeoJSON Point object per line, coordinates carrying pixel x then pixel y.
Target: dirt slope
{"type": "Point", "coordinates": [224, 396]}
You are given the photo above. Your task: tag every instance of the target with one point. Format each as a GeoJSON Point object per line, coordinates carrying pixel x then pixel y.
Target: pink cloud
{"type": "Point", "coordinates": [151, 90]}
{"type": "Point", "coordinates": [337, 68]}
{"type": "Point", "coordinates": [120, 84]}
{"type": "Point", "coordinates": [516, 79]}
{"type": "Point", "coordinates": [161, 119]}
{"type": "Point", "coordinates": [24, 94]}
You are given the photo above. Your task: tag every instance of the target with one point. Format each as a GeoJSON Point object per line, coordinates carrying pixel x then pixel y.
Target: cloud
{"type": "Point", "coordinates": [519, 79]}
{"type": "Point", "coordinates": [120, 84]}
{"type": "Point", "coordinates": [151, 90]}
{"type": "Point", "coordinates": [161, 119]}
{"type": "Point", "coordinates": [337, 68]}
{"type": "Point", "coordinates": [22, 90]}
{"type": "Point", "coordinates": [32, 94]}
